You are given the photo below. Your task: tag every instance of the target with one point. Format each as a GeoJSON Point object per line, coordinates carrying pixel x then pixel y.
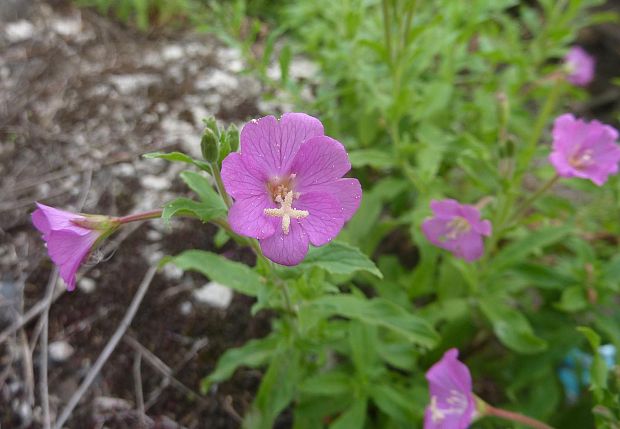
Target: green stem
{"type": "Point", "coordinates": [151, 214]}
{"type": "Point", "coordinates": [539, 126]}
{"type": "Point", "coordinates": [411, 6]}
{"type": "Point", "coordinates": [387, 25]}
{"type": "Point", "coordinates": [516, 417]}
{"type": "Point", "coordinates": [527, 203]}
{"type": "Point", "coordinates": [219, 184]}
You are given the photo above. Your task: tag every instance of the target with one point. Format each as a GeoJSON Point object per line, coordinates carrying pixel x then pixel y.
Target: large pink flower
{"type": "Point", "coordinates": [580, 66]}
{"type": "Point", "coordinates": [68, 243]}
{"type": "Point", "coordinates": [457, 228]}
{"type": "Point", "coordinates": [584, 149]}
{"type": "Point", "coordinates": [288, 187]}
{"type": "Point", "coordinates": [453, 405]}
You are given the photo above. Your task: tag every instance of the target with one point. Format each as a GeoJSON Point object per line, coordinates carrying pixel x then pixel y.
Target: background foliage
{"type": "Point", "coordinates": [432, 99]}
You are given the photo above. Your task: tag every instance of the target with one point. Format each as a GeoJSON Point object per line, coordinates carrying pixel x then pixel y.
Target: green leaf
{"type": "Point", "coordinates": [177, 157]}
{"type": "Point", "coordinates": [378, 312]}
{"type": "Point", "coordinates": [235, 275]}
{"type": "Point", "coordinates": [330, 383]}
{"type": "Point", "coordinates": [199, 184]}
{"type": "Point", "coordinates": [353, 418]}
{"type": "Point", "coordinates": [573, 299]}
{"type": "Point", "coordinates": [276, 390]}
{"type": "Point", "coordinates": [252, 354]}
{"type": "Point", "coordinates": [186, 206]}
{"type": "Point", "coordinates": [339, 258]}
{"type": "Point", "coordinates": [516, 252]}
{"type": "Point", "coordinates": [598, 370]}
{"type": "Point", "coordinates": [511, 327]}
{"type": "Point", "coordinates": [392, 402]}
{"type": "Point", "coordinates": [374, 158]}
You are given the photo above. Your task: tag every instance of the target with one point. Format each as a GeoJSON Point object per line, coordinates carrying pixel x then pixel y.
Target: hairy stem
{"type": "Point", "coordinates": [151, 214]}
{"type": "Point", "coordinates": [527, 203]}
{"type": "Point", "coordinates": [219, 184]}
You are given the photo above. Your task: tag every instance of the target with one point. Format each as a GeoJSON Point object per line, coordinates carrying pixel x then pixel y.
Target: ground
{"type": "Point", "coordinates": [81, 98]}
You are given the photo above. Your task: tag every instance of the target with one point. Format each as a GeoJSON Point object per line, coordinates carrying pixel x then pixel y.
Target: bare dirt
{"type": "Point", "coordinates": [81, 98]}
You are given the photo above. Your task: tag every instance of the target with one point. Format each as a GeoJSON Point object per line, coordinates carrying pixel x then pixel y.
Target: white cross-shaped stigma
{"type": "Point", "coordinates": [286, 211]}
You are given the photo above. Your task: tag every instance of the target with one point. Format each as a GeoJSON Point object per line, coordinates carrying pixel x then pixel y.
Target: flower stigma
{"type": "Point", "coordinates": [286, 211]}
{"type": "Point", "coordinates": [457, 227]}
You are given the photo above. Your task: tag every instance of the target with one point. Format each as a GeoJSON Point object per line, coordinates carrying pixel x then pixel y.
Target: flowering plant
{"type": "Point", "coordinates": [444, 210]}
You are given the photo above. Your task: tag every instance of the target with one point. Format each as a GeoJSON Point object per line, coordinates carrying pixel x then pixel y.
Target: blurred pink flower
{"type": "Point", "coordinates": [584, 149]}
{"type": "Point", "coordinates": [580, 66]}
{"type": "Point", "coordinates": [453, 405]}
{"type": "Point", "coordinates": [457, 228]}
{"type": "Point", "coordinates": [69, 237]}
{"type": "Point", "coordinates": [288, 187]}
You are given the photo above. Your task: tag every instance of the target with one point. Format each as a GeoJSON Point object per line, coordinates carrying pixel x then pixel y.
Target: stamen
{"type": "Point", "coordinates": [457, 402]}
{"type": "Point", "coordinates": [286, 211]}
{"type": "Point", "coordinates": [581, 159]}
{"type": "Point", "coordinates": [457, 227]}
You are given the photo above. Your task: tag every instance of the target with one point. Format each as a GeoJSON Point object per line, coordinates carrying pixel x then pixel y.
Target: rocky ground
{"type": "Point", "coordinates": [81, 98]}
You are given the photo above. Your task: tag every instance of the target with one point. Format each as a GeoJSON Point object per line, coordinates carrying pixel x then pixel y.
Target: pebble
{"type": "Point", "coordinates": [214, 294]}
{"type": "Point", "coordinates": [60, 351]}
{"type": "Point", "coordinates": [19, 30]}
{"type": "Point", "coordinates": [157, 183]}
{"type": "Point", "coordinates": [87, 285]}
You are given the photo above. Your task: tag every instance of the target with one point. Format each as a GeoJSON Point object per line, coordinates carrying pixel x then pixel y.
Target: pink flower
{"type": "Point", "coordinates": [580, 66]}
{"type": "Point", "coordinates": [288, 187]}
{"type": "Point", "coordinates": [453, 405]}
{"type": "Point", "coordinates": [584, 149]}
{"type": "Point", "coordinates": [457, 228]}
{"type": "Point", "coordinates": [69, 237]}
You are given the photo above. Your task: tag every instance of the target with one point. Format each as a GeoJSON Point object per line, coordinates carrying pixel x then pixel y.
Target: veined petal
{"type": "Point", "coordinates": [325, 218]}
{"type": "Point", "coordinates": [67, 250]}
{"type": "Point", "coordinates": [347, 191]}
{"type": "Point", "coordinates": [319, 160]}
{"type": "Point", "coordinates": [47, 219]}
{"type": "Point", "coordinates": [286, 249]}
{"type": "Point", "coordinates": [273, 144]}
{"type": "Point", "coordinates": [242, 177]}
{"type": "Point", "coordinates": [247, 217]}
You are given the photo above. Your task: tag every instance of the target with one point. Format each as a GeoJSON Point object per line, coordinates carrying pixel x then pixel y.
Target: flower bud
{"type": "Point", "coordinates": [209, 146]}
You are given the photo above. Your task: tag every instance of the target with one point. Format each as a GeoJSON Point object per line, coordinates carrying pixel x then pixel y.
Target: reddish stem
{"type": "Point", "coordinates": [516, 417]}
{"type": "Point", "coordinates": [151, 214]}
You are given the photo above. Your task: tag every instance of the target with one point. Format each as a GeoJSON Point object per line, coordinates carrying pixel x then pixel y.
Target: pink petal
{"type": "Point", "coordinates": [468, 246]}
{"type": "Point", "coordinates": [286, 249]}
{"type": "Point", "coordinates": [56, 220]}
{"type": "Point", "coordinates": [434, 230]}
{"type": "Point", "coordinates": [273, 145]}
{"type": "Point", "coordinates": [347, 191]}
{"type": "Point", "coordinates": [319, 160]}
{"type": "Point", "coordinates": [325, 219]}
{"type": "Point", "coordinates": [241, 177]}
{"type": "Point", "coordinates": [247, 217]}
{"type": "Point", "coordinates": [67, 250]}
{"type": "Point", "coordinates": [445, 208]}
{"type": "Point", "coordinates": [483, 227]}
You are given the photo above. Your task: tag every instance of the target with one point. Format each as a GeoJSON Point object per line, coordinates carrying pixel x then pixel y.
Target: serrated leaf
{"type": "Point", "coordinates": [252, 354]}
{"type": "Point", "coordinates": [235, 275]}
{"type": "Point", "coordinates": [379, 312]}
{"type": "Point", "coordinates": [511, 327]}
{"type": "Point", "coordinates": [340, 258]}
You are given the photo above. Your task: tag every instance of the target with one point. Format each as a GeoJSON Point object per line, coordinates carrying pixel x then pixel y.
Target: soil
{"type": "Point", "coordinates": [81, 99]}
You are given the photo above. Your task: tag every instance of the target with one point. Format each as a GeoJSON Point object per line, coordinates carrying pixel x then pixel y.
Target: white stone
{"type": "Point", "coordinates": [67, 26]}
{"type": "Point", "coordinates": [172, 52]}
{"type": "Point", "coordinates": [214, 294]}
{"type": "Point", "coordinates": [185, 308]}
{"type": "Point", "coordinates": [87, 285]}
{"type": "Point", "coordinates": [60, 351]}
{"type": "Point", "coordinates": [303, 68]}
{"type": "Point", "coordinates": [130, 83]}
{"type": "Point", "coordinates": [217, 79]}
{"type": "Point", "coordinates": [157, 183]}
{"type": "Point", "coordinates": [172, 272]}
{"type": "Point", "coordinates": [19, 30]}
